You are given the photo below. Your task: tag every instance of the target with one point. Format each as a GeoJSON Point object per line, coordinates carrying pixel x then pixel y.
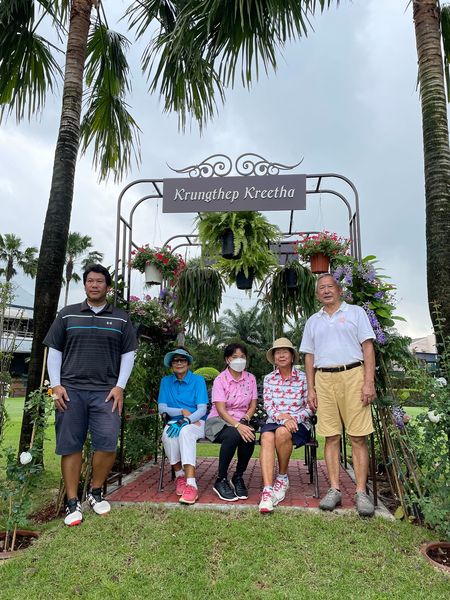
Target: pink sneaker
{"type": "Point", "coordinates": [190, 495]}
{"type": "Point", "coordinates": [180, 485]}
{"type": "Point", "coordinates": [280, 487]}
{"type": "Point", "coordinates": [266, 504]}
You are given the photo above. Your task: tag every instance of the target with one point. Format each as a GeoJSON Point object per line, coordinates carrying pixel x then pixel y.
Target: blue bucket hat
{"type": "Point", "coordinates": [179, 352]}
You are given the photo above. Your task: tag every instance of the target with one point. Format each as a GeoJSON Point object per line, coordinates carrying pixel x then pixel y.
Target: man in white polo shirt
{"type": "Point", "coordinates": [340, 369]}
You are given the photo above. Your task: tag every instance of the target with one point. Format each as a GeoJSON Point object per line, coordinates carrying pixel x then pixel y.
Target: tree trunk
{"type": "Point", "coordinates": [56, 227]}
{"type": "Point", "coordinates": [9, 269]}
{"type": "Point", "coordinates": [69, 271]}
{"type": "Point", "coordinates": [436, 156]}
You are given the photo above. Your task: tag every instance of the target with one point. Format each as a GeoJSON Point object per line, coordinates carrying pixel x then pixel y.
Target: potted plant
{"type": "Point", "coordinates": [199, 294]}
{"type": "Point", "coordinates": [320, 248]}
{"type": "Point", "coordinates": [245, 227]}
{"type": "Point", "coordinates": [252, 235]}
{"type": "Point", "coordinates": [286, 301]}
{"type": "Point", "coordinates": [155, 318]}
{"type": "Point", "coordinates": [157, 264]}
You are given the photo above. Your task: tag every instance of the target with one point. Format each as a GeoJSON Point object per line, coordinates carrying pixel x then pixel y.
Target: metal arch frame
{"type": "Point", "coordinates": [124, 227]}
{"type": "Point", "coordinates": [260, 168]}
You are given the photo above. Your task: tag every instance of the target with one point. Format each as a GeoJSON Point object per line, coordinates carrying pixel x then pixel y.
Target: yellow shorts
{"type": "Point", "coordinates": [339, 401]}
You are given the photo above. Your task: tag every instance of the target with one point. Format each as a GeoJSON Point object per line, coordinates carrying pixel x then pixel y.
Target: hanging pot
{"type": "Point", "coordinates": [319, 263]}
{"type": "Point", "coordinates": [243, 282]}
{"type": "Point", "coordinates": [228, 246]}
{"type": "Point", "coordinates": [153, 275]}
{"type": "Point", "coordinates": [290, 277]}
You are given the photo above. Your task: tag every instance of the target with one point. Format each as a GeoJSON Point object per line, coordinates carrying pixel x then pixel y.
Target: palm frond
{"type": "Point", "coordinates": [202, 44]}
{"type": "Point", "coordinates": [107, 122]}
{"type": "Point", "coordinates": [27, 66]}
{"type": "Point", "coordinates": [142, 13]}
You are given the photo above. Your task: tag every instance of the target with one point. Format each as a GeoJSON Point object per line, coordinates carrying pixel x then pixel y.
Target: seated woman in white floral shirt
{"type": "Point", "coordinates": [287, 425]}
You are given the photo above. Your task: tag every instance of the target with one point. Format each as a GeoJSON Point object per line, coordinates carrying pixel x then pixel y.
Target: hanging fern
{"type": "Point", "coordinates": [294, 303]}
{"type": "Point", "coordinates": [252, 234]}
{"type": "Point", "coordinates": [199, 296]}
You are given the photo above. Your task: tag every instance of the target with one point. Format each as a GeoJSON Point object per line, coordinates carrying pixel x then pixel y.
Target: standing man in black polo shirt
{"type": "Point", "coordinates": [91, 355]}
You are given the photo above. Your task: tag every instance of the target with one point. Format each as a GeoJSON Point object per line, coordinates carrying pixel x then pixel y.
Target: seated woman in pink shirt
{"type": "Point", "coordinates": [234, 397]}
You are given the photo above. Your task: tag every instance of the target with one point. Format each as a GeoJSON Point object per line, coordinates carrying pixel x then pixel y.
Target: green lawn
{"type": "Point", "coordinates": [154, 553]}
{"type": "Point", "coordinates": [147, 552]}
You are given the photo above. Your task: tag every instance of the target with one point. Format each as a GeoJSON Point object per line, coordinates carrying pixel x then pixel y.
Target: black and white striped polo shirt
{"type": "Point", "coordinates": [91, 345]}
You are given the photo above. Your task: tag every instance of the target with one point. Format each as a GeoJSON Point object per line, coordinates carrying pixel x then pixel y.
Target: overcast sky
{"type": "Point", "coordinates": [344, 100]}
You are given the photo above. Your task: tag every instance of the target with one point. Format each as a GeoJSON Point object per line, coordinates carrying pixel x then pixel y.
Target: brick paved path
{"type": "Point", "coordinates": [143, 486]}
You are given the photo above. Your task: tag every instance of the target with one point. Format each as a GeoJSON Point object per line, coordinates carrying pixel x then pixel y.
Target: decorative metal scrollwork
{"type": "Point", "coordinates": [220, 165]}
{"type": "Point", "coordinates": [217, 165]}
{"type": "Point", "coordinates": [254, 164]}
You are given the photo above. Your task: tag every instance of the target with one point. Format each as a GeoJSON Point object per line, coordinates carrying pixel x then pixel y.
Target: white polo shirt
{"type": "Point", "coordinates": [336, 340]}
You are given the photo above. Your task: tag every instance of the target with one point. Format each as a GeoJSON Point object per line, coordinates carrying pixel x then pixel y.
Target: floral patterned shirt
{"type": "Point", "coordinates": [286, 396]}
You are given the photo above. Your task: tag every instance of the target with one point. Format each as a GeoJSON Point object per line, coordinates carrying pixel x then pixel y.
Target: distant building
{"type": "Point", "coordinates": [18, 320]}
{"type": "Point", "coordinates": [424, 349]}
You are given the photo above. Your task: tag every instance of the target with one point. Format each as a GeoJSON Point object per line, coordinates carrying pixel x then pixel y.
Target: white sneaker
{"type": "Point", "coordinates": [98, 504]}
{"type": "Point", "coordinates": [266, 504]}
{"type": "Point", "coordinates": [280, 487]}
{"type": "Point", "coordinates": [74, 516]}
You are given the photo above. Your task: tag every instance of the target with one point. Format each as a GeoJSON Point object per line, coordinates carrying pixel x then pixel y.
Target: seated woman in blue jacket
{"type": "Point", "coordinates": [183, 396]}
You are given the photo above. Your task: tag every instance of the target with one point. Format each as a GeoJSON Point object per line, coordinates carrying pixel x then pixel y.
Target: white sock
{"type": "Point", "coordinates": [179, 473]}
{"type": "Point", "coordinates": [268, 488]}
{"type": "Point", "coordinates": [191, 481]}
{"type": "Point", "coordinates": [283, 478]}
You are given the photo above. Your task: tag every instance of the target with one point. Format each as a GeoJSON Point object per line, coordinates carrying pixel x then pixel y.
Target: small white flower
{"type": "Point", "coordinates": [25, 458]}
{"type": "Point", "coordinates": [440, 381]}
{"type": "Point", "coordinates": [46, 382]}
{"type": "Point", "coordinates": [433, 416]}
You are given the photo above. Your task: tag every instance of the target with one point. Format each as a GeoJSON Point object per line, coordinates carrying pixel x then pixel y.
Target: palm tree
{"type": "Point", "coordinates": [240, 324]}
{"type": "Point", "coordinates": [12, 254]}
{"type": "Point", "coordinates": [431, 31]}
{"type": "Point", "coordinates": [77, 246]}
{"type": "Point", "coordinates": [94, 55]}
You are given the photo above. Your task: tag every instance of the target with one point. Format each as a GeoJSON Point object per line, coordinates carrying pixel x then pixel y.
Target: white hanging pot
{"type": "Point", "coordinates": [153, 275]}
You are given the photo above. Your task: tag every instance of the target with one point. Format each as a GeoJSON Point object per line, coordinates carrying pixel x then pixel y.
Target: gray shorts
{"type": "Point", "coordinates": [86, 411]}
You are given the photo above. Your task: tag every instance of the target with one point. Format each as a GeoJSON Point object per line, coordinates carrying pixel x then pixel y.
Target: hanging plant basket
{"type": "Point", "coordinates": [228, 246]}
{"type": "Point", "coordinates": [319, 263]}
{"type": "Point", "coordinates": [243, 282]}
{"type": "Point", "coordinates": [290, 277]}
{"type": "Point", "coordinates": [153, 275]}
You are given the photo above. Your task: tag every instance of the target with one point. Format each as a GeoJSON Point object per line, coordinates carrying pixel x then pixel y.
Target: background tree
{"type": "Point", "coordinates": [431, 32]}
{"type": "Point", "coordinates": [95, 59]}
{"type": "Point", "coordinates": [239, 323]}
{"type": "Point", "coordinates": [78, 246]}
{"type": "Point", "coordinates": [12, 254]}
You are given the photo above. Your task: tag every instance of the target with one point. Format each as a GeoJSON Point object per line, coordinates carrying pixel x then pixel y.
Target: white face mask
{"type": "Point", "coordinates": [238, 364]}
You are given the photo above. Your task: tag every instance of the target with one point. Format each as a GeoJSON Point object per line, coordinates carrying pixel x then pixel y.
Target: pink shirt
{"type": "Point", "coordinates": [237, 394]}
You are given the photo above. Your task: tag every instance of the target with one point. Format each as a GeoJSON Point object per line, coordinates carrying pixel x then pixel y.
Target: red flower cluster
{"type": "Point", "coordinates": [329, 244]}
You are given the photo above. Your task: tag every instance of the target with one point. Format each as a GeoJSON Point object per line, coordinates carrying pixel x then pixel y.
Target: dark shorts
{"type": "Point", "coordinates": [299, 438]}
{"type": "Point", "coordinates": [86, 411]}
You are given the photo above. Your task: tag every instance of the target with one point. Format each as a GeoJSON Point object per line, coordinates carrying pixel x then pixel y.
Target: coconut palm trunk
{"type": "Point", "coordinates": [57, 220]}
{"type": "Point", "coordinates": [436, 155]}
